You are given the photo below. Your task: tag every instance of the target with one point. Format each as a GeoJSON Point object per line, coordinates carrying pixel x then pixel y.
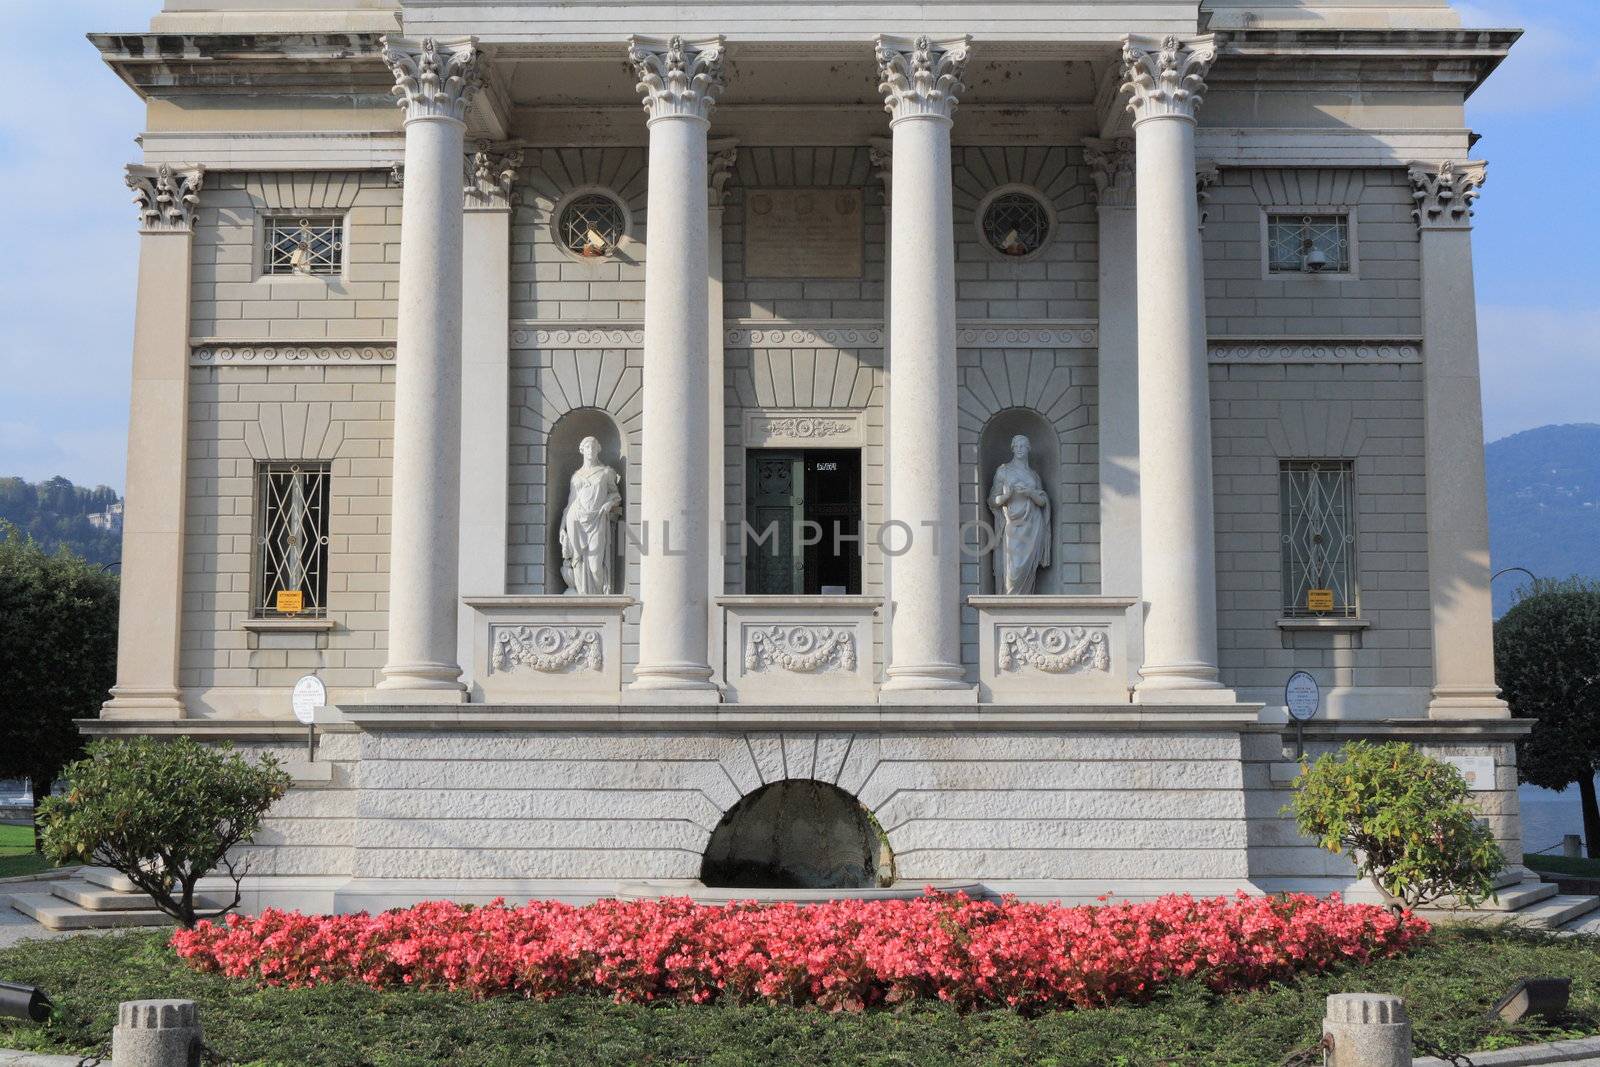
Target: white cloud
{"type": "Point", "coordinates": [1541, 365]}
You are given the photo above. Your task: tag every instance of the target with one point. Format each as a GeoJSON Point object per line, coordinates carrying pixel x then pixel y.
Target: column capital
{"type": "Point", "coordinates": [490, 177]}
{"type": "Point", "coordinates": [1166, 79]}
{"type": "Point", "coordinates": [1206, 174]}
{"type": "Point", "coordinates": [1111, 165]}
{"type": "Point", "coordinates": [921, 78]}
{"type": "Point", "coordinates": [719, 168]}
{"type": "Point", "coordinates": [167, 196]}
{"type": "Point", "coordinates": [1445, 192]}
{"type": "Point", "coordinates": [434, 77]}
{"type": "Point", "coordinates": [880, 156]}
{"type": "Point", "coordinates": [678, 79]}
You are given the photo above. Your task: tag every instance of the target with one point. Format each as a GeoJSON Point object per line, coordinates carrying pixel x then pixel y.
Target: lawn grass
{"type": "Point", "coordinates": [1577, 866]}
{"type": "Point", "coordinates": [16, 852]}
{"type": "Point", "coordinates": [1448, 985]}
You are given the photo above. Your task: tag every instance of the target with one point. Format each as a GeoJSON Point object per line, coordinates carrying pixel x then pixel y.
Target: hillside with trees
{"type": "Point", "coordinates": [1544, 505]}
{"type": "Point", "coordinates": [55, 513]}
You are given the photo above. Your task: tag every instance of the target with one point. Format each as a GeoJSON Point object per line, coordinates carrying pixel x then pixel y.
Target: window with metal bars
{"type": "Point", "coordinates": [592, 225]}
{"type": "Point", "coordinates": [1308, 244]}
{"type": "Point", "coordinates": [1016, 224]}
{"type": "Point", "coordinates": [1317, 502]}
{"type": "Point", "coordinates": [305, 245]}
{"type": "Point", "coordinates": [291, 539]}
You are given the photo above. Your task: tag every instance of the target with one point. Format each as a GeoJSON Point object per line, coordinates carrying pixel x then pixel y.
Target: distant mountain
{"type": "Point", "coordinates": [1544, 505]}
{"type": "Point", "coordinates": [56, 513]}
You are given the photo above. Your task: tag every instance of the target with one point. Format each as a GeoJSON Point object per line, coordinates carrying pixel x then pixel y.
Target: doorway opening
{"type": "Point", "coordinates": [803, 512]}
{"type": "Point", "coordinates": [798, 834]}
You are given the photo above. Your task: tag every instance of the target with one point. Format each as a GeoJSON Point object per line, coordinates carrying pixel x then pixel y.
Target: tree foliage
{"type": "Point", "coordinates": [1405, 817]}
{"type": "Point", "coordinates": [58, 654]}
{"type": "Point", "coordinates": [163, 813]}
{"type": "Point", "coordinates": [56, 513]}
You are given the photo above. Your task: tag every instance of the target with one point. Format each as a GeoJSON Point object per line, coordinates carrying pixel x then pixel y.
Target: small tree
{"type": "Point", "coordinates": [1547, 660]}
{"type": "Point", "coordinates": [163, 813]}
{"type": "Point", "coordinates": [1406, 818]}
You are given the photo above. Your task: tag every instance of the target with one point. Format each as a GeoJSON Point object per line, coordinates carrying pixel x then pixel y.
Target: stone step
{"type": "Point", "coordinates": [1553, 913]}
{"type": "Point", "coordinates": [97, 898]}
{"type": "Point", "coordinates": [1521, 895]}
{"type": "Point", "coordinates": [53, 913]}
{"type": "Point", "coordinates": [106, 878]}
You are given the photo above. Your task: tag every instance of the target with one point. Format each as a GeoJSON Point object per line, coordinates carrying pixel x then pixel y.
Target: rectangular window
{"type": "Point", "coordinates": [1308, 244]}
{"type": "Point", "coordinates": [291, 540]}
{"type": "Point", "coordinates": [1317, 508]}
{"type": "Point", "coordinates": [306, 246]}
{"type": "Point", "coordinates": [803, 508]}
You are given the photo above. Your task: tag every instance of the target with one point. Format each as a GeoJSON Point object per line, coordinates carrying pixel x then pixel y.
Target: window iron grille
{"type": "Point", "coordinates": [1308, 244]}
{"type": "Point", "coordinates": [1016, 224]}
{"type": "Point", "coordinates": [592, 225]}
{"type": "Point", "coordinates": [306, 246]}
{"type": "Point", "coordinates": [1319, 537]}
{"type": "Point", "coordinates": [292, 537]}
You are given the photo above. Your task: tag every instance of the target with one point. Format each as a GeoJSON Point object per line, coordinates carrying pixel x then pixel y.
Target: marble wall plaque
{"type": "Point", "coordinates": [802, 233]}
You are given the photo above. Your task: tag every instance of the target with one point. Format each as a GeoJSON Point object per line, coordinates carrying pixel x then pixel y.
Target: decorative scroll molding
{"type": "Point", "coordinates": [808, 426]}
{"type": "Point", "coordinates": [1111, 165]}
{"type": "Point", "coordinates": [829, 428]}
{"type": "Point", "coordinates": [1317, 352]}
{"type": "Point", "coordinates": [267, 353]}
{"type": "Point", "coordinates": [1054, 649]}
{"type": "Point", "coordinates": [1166, 80]}
{"type": "Point", "coordinates": [167, 196]}
{"type": "Point", "coordinates": [677, 80]}
{"type": "Point", "coordinates": [578, 336]}
{"type": "Point", "coordinates": [719, 169]}
{"type": "Point", "coordinates": [803, 335]}
{"type": "Point", "coordinates": [922, 77]}
{"type": "Point", "coordinates": [546, 649]}
{"type": "Point", "coordinates": [800, 649]}
{"type": "Point", "coordinates": [1026, 335]}
{"type": "Point", "coordinates": [491, 177]}
{"type": "Point", "coordinates": [1445, 193]}
{"type": "Point", "coordinates": [433, 78]}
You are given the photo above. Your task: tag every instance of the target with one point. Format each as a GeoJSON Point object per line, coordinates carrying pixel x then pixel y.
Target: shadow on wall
{"type": "Point", "coordinates": [798, 834]}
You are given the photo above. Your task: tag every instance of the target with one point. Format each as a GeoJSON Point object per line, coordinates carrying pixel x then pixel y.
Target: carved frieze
{"type": "Point", "coordinates": [552, 649]}
{"type": "Point", "coordinates": [1054, 649]}
{"type": "Point", "coordinates": [1027, 336]}
{"type": "Point", "coordinates": [1317, 352]}
{"type": "Point", "coordinates": [921, 77]}
{"type": "Point", "coordinates": [1166, 79]}
{"type": "Point", "coordinates": [167, 196]}
{"type": "Point", "coordinates": [800, 649]}
{"type": "Point", "coordinates": [266, 353]}
{"type": "Point", "coordinates": [596, 336]}
{"type": "Point", "coordinates": [677, 79]}
{"type": "Point", "coordinates": [803, 335]}
{"type": "Point", "coordinates": [434, 77]}
{"type": "Point", "coordinates": [1445, 193]}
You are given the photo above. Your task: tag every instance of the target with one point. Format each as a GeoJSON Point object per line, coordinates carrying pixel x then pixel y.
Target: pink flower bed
{"type": "Point", "coordinates": [846, 955]}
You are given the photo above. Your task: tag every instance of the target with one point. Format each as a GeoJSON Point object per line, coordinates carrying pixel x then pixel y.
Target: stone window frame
{"type": "Point", "coordinates": [263, 222]}
{"type": "Point", "coordinates": [1350, 610]}
{"type": "Point", "coordinates": [1035, 193]}
{"type": "Point", "coordinates": [317, 610]}
{"type": "Point", "coordinates": [559, 208]}
{"type": "Point", "coordinates": [1353, 225]}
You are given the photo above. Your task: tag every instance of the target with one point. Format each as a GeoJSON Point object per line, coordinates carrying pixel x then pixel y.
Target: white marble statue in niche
{"type": "Point", "coordinates": [587, 526]}
{"type": "Point", "coordinates": [1021, 522]}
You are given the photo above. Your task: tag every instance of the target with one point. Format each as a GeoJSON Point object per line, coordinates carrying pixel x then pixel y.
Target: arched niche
{"type": "Point", "coordinates": [797, 834]}
{"type": "Point", "coordinates": [994, 448]}
{"type": "Point", "coordinates": [561, 461]}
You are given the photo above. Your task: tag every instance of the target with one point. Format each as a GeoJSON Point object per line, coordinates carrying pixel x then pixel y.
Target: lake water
{"type": "Point", "coordinates": [1547, 815]}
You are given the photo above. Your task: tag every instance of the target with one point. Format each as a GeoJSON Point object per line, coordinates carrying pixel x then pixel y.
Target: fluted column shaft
{"type": "Point", "coordinates": [434, 82]}
{"type": "Point", "coordinates": [1177, 529]}
{"type": "Point", "coordinates": [679, 83]}
{"type": "Point", "coordinates": [920, 82]}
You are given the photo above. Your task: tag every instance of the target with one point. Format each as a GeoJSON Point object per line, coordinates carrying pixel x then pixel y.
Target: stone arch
{"type": "Point", "coordinates": [561, 460]}
{"type": "Point", "coordinates": [994, 448]}
{"type": "Point", "coordinates": [797, 833]}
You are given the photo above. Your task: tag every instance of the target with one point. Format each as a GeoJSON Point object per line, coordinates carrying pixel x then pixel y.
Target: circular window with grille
{"type": "Point", "coordinates": [1015, 222]}
{"type": "Point", "coordinates": [591, 225]}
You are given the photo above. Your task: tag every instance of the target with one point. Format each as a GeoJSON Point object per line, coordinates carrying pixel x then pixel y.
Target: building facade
{"type": "Point", "coordinates": [919, 446]}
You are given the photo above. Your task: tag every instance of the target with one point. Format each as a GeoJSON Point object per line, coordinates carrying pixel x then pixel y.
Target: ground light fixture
{"type": "Point", "coordinates": [1545, 998]}
{"type": "Point", "coordinates": [18, 1001]}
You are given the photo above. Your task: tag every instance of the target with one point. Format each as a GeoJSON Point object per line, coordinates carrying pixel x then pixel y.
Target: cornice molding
{"type": "Point", "coordinates": [1316, 351]}
{"type": "Point", "coordinates": [264, 353]}
{"type": "Point", "coordinates": [1166, 79]}
{"type": "Point", "coordinates": [1445, 192]}
{"type": "Point", "coordinates": [678, 79]}
{"type": "Point", "coordinates": [434, 78]}
{"type": "Point", "coordinates": [921, 78]}
{"type": "Point", "coordinates": [167, 196]}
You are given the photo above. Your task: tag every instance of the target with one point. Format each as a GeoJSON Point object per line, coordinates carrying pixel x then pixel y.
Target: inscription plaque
{"type": "Point", "coordinates": [802, 233]}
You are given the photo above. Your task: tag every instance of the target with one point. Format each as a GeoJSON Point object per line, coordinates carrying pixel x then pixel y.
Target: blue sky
{"type": "Point", "coordinates": [67, 298]}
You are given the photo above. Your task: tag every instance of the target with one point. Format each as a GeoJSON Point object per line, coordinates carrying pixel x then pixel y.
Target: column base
{"type": "Point", "coordinates": [419, 683]}
{"type": "Point", "coordinates": [1467, 703]}
{"type": "Point", "coordinates": [967, 694]}
{"type": "Point", "coordinates": [927, 683]}
{"type": "Point", "coordinates": [1181, 683]}
{"type": "Point", "coordinates": [672, 683]}
{"type": "Point", "coordinates": [129, 702]}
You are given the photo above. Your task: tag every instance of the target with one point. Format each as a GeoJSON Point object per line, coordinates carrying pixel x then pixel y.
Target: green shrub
{"type": "Point", "coordinates": [163, 813]}
{"type": "Point", "coordinates": [1406, 818]}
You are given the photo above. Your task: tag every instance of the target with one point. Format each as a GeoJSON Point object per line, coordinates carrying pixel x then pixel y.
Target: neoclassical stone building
{"type": "Point", "coordinates": [921, 444]}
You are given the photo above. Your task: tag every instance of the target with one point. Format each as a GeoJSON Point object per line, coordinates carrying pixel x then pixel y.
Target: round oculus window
{"type": "Point", "coordinates": [1016, 224]}
{"type": "Point", "coordinates": [592, 225]}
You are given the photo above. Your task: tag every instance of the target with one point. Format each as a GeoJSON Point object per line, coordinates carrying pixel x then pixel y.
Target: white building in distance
{"type": "Point", "coordinates": [919, 445]}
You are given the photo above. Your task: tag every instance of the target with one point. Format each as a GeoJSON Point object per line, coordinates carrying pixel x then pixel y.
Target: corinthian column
{"type": "Point", "coordinates": [434, 81]}
{"type": "Point", "coordinates": [150, 612]}
{"type": "Point", "coordinates": [920, 81]}
{"type": "Point", "coordinates": [679, 82]}
{"type": "Point", "coordinates": [1458, 518]}
{"type": "Point", "coordinates": [1177, 562]}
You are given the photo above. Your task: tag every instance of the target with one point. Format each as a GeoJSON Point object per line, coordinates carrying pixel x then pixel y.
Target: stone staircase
{"type": "Point", "coordinates": [1529, 903]}
{"type": "Point", "coordinates": [94, 899]}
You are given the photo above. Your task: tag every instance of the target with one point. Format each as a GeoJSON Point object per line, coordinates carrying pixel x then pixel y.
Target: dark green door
{"type": "Point", "coordinates": [774, 508]}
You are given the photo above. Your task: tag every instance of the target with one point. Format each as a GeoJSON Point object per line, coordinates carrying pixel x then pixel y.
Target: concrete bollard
{"type": "Point", "coordinates": [1571, 846]}
{"type": "Point", "coordinates": [1367, 1030]}
{"type": "Point", "coordinates": [157, 1033]}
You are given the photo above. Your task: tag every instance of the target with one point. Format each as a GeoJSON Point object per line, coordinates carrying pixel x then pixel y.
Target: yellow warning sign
{"type": "Point", "coordinates": [1316, 600]}
{"type": "Point", "coordinates": [291, 601]}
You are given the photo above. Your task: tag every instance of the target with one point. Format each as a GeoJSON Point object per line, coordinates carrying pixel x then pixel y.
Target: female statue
{"type": "Point", "coordinates": [586, 532]}
{"type": "Point", "coordinates": [1022, 522]}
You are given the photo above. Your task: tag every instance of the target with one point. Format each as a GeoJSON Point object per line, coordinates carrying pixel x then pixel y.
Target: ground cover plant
{"type": "Point", "coordinates": [1448, 980]}
{"type": "Point", "coordinates": [845, 955]}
